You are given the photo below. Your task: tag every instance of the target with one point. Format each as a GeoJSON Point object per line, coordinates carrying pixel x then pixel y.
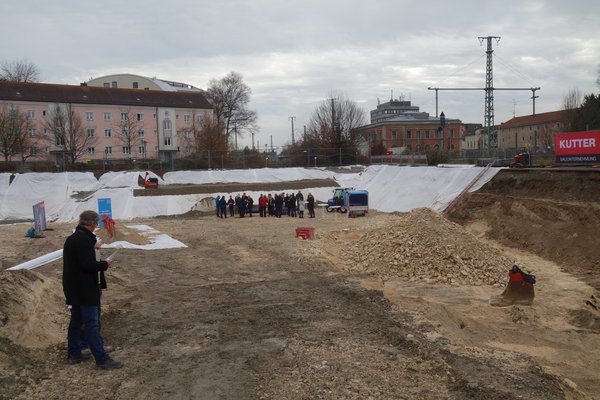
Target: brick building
{"type": "Point", "coordinates": [405, 129]}
{"type": "Point", "coordinates": [534, 132]}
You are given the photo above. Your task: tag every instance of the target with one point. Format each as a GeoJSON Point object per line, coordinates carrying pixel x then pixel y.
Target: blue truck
{"type": "Point", "coordinates": [348, 200]}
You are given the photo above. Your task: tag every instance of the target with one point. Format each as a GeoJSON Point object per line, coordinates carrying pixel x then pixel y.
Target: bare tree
{"type": "Point", "coordinates": [68, 133]}
{"type": "Point", "coordinates": [334, 120]}
{"type": "Point", "coordinates": [191, 136]}
{"type": "Point", "coordinates": [229, 97]}
{"type": "Point", "coordinates": [210, 137]}
{"type": "Point", "coordinates": [571, 103]}
{"type": "Point", "coordinates": [26, 140]}
{"type": "Point", "coordinates": [7, 135]}
{"type": "Point", "coordinates": [129, 131]}
{"type": "Point", "coordinates": [19, 71]}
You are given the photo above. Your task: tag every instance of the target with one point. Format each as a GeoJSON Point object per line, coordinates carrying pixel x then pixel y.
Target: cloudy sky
{"type": "Point", "coordinates": [293, 54]}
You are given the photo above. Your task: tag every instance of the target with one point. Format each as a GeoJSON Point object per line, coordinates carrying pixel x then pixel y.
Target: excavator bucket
{"type": "Point", "coordinates": [518, 291]}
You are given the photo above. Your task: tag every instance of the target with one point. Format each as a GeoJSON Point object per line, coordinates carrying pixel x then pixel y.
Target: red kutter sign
{"type": "Point", "coordinates": [578, 147]}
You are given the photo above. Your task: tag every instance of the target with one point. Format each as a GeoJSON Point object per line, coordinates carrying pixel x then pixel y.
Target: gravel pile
{"type": "Point", "coordinates": [422, 245]}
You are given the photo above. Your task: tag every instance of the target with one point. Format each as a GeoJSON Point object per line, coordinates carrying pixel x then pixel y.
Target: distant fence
{"type": "Point", "coordinates": [400, 159]}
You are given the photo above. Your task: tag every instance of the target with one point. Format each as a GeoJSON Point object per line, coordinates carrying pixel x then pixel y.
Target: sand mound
{"type": "Point", "coordinates": [32, 309]}
{"type": "Point", "coordinates": [423, 246]}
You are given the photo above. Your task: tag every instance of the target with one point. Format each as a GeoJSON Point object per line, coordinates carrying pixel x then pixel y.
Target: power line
{"type": "Point", "coordinates": [489, 89]}
{"type": "Point", "coordinates": [461, 69]}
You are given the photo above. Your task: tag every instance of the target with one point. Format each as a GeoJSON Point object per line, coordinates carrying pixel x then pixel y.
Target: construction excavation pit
{"type": "Point", "coordinates": [496, 297]}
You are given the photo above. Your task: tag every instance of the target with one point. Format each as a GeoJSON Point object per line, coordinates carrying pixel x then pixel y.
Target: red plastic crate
{"type": "Point", "coordinates": [305, 232]}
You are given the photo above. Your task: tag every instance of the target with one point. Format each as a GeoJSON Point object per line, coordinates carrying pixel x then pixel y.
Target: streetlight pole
{"type": "Point", "coordinates": [292, 119]}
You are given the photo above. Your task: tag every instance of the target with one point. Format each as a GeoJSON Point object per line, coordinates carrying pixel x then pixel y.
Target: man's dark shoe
{"type": "Point", "coordinates": [109, 363]}
{"type": "Point", "coordinates": [108, 349]}
{"type": "Point", "coordinates": [79, 358]}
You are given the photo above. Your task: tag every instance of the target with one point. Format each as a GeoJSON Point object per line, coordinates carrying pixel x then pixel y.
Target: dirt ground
{"type": "Point", "coordinates": [390, 306]}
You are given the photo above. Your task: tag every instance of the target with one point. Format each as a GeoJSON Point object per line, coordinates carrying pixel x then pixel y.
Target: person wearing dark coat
{"type": "Point", "coordinates": [292, 205]}
{"type": "Point", "coordinates": [241, 205]}
{"type": "Point", "coordinates": [310, 204]}
{"type": "Point", "coordinates": [249, 205]}
{"type": "Point", "coordinates": [223, 207]}
{"type": "Point", "coordinates": [278, 205]}
{"type": "Point", "coordinates": [82, 282]}
{"type": "Point", "coordinates": [231, 204]}
{"type": "Point", "coordinates": [271, 205]}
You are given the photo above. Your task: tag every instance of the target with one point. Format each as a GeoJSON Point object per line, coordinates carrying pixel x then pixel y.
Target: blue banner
{"type": "Point", "coordinates": [104, 208]}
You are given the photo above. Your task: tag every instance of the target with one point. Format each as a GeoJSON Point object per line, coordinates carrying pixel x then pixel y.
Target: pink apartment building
{"type": "Point", "coordinates": [162, 121]}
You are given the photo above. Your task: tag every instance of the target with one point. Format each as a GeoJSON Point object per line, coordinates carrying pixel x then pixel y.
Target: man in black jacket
{"type": "Point", "coordinates": [81, 285]}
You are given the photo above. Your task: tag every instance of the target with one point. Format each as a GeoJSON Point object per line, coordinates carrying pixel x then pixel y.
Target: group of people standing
{"type": "Point", "coordinates": [292, 204]}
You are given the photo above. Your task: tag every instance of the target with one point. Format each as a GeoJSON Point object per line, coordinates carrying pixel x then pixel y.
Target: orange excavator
{"type": "Point", "coordinates": [521, 160]}
{"type": "Point", "coordinates": [518, 291]}
{"type": "Point", "coordinates": [147, 182]}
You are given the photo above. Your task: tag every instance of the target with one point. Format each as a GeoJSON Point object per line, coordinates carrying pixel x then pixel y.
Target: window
{"type": "Point", "coordinates": [167, 124]}
{"type": "Point", "coordinates": [108, 150]}
{"type": "Point", "coordinates": [106, 84]}
{"type": "Point", "coordinates": [187, 118]}
{"type": "Point", "coordinates": [90, 132]}
{"type": "Point", "coordinates": [12, 112]}
{"type": "Point", "coordinates": [427, 135]}
{"type": "Point", "coordinates": [30, 114]}
{"type": "Point", "coordinates": [31, 132]}
{"type": "Point", "coordinates": [124, 116]}
{"type": "Point", "coordinates": [167, 141]}
{"type": "Point", "coordinates": [107, 116]}
{"type": "Point", "coordinates": [60, 141]}
{"type": "Point", "coordinates": [408, 134]}
{"type": "Point", "coordinates": [141, 149]}
{"type": "Point", "coordinates": [44, 113]}
{"type": "Point", "coordinates": [394, 134]}
{"type": "Point", "coordinates": [187, 149]}
{"type": "Point", "coordinates": [91, 151]}
{"type": "Point", "coordinates": [187, 134]}
{"type": "Point", "coordinates": [418, 135]}
{"type": "Point", "coordinates": [135, 85]}
{"type": "Point", "coordinates": [176, 116]}
{"type": "Point", "coordinates": [114, 84]}
{"type": "Point", "coordinates": [140, 116]}
{"type": "Point", "coordinates": [125, 132]}
{"type": "Point", "coordinates": [126, 150]}
{"type": "Point", "coordinates": [32, 150]}
{"type": "Point", "coordinates": [108, 132]}
{"type": "Point", "coordinates": [199, 118]}
{"type": "Point", "coordinates": [89, 116]}
{"type": "Point", "coordinates": [141, 133]}
{"type": "Point", "coordinates": [166, 113]}
{"type": "Point", "coordinates": [46, 131]}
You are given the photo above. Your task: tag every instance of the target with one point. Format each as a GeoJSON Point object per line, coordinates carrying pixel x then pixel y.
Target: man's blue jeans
{"type": "Point", "coordinates": [89, 316]}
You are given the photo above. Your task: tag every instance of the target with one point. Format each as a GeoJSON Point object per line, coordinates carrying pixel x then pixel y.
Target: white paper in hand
{"type": "Point", "coordinates": [113, 255]}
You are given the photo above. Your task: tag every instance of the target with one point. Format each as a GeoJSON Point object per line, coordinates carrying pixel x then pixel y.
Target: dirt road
{"type": "Point", "coordinates": [242, 314]}
{"type": "Point", "coordinates": [249, 311]}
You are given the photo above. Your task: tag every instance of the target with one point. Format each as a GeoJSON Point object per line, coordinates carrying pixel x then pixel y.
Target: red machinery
{"type": "Point", "coordinates": [147, 182]}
